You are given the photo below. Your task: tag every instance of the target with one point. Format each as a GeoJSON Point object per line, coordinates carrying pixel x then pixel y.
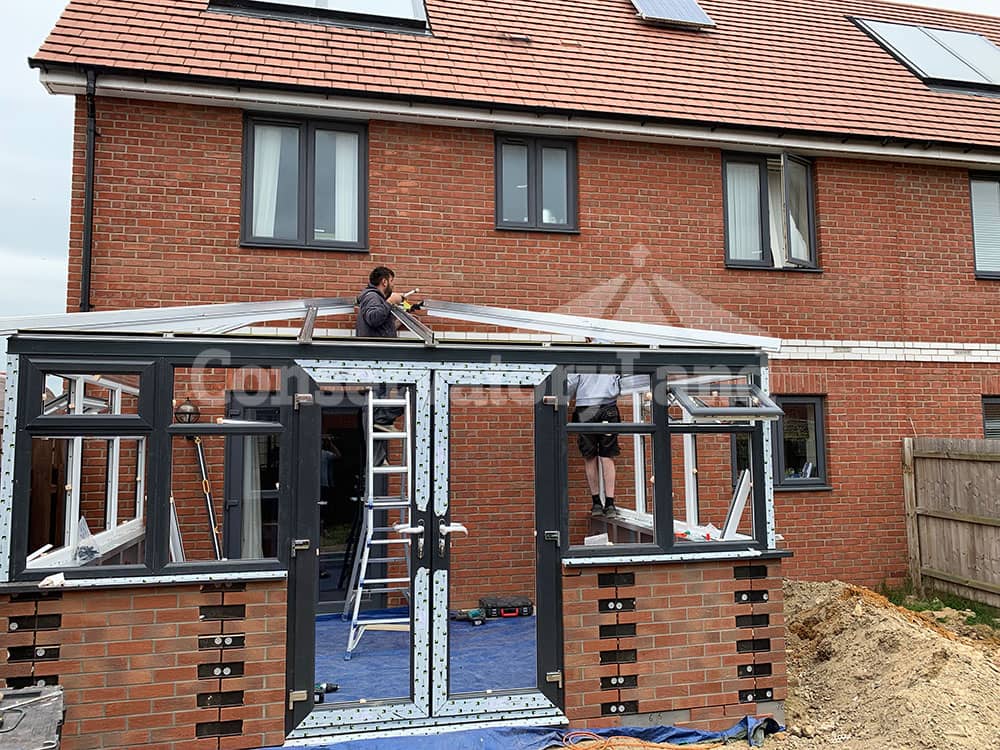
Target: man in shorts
{"type": "Point", "coordinates": [597, 401]}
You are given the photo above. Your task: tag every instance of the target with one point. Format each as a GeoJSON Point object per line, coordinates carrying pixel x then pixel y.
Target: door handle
{"type": "Point", "coordinates": [417, 531]}
{"type": "Point", "coordinates": [448, 528]}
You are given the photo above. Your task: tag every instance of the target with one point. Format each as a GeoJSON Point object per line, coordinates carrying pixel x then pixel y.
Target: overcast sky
{"type": "Point", "coordinates": [35, 141]}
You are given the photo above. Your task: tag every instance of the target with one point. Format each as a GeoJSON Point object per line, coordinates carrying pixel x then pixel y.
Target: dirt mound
{"type": "Point", "coordinates": [864, 674]}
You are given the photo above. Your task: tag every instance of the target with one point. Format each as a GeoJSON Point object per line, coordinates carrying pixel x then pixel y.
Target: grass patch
{"type": "Point", "coordinates": [907, 597]}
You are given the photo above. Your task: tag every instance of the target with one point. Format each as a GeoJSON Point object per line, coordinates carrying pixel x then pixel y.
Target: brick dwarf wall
{"type": "Point", "coordinates": [141, 667]}
{"type": "Point", "coordinates": [693, 644]}
{"type": "Point", "coordinates": [892, 238]}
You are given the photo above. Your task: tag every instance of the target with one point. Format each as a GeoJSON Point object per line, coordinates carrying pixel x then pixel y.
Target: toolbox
{"type": "Point", "coordinates": [506, 606]}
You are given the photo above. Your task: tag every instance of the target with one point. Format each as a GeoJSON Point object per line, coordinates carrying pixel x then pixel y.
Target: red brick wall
{"type": "Point", "coordinates": [128, 662]}
{"type": "Point", "coordinates": [686, 637]}
{"type": "Point", "coordinates": [895, 247]}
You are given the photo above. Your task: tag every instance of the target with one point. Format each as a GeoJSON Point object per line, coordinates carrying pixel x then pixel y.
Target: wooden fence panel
{"type": "Point", "coordinates": [951, 489]}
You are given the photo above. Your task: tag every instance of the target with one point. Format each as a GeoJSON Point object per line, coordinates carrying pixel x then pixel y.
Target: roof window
{"type": "Point", "coordinates": [685, 13]}
{"type": "Point", "coordinates": [939, 56]}
{"type": "Point", "coordinates": [405, 13]}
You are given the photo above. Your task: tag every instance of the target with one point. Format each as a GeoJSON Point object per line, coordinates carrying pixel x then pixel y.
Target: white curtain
{"type": "Point", "coordinates": [986, 224]}
{"type": "Point", "coordinates": [743, 211]}
{"type": "Point", "coordinates": [346, 187]}
{"type": "Point", "coordinates": [776, 215]}
{"type": "Point", "coordinates": [266, 161]}
{"type": "Point", "coordinates": [250, 539]}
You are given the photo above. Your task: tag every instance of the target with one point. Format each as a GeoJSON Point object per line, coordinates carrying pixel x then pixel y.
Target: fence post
{"type": "Point", "coordinates": [912, 528]}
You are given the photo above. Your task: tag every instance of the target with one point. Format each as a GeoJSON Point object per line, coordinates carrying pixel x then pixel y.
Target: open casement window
{"type": "Point", "coordinates": [305, 184]}
{"type": "Point", "coordinates": [986, 224]}
{"type": "Point", "coordinates": [769, 211]}
{"type": "Point", "coordinates": [401, 15]}
{"type": "Point", "coordinates": [661, 448]}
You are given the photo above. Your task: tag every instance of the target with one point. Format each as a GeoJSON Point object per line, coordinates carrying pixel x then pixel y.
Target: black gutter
{"type": "Point", "coordinates": [537, 110]}
{"type": "Point", "coordinates": [88, 193]}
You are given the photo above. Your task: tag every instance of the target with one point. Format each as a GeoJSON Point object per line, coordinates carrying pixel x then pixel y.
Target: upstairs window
{"type": "Point", "coordinates": [402, 13]}
{"type": "Point", "coordinates": [939, 56]}
{"type": "Point", "coordinates": [986, 224]}
{"type": "Point", "coordinates": [769, 211]}
{"type": "Point", "coordinates": [536, 183]}
{"type": "Point", "coordinates": [305, 184]}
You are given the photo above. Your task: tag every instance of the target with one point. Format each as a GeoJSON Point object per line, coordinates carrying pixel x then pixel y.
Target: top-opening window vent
{"type": "Point", "coordinates": [939, 55]}
{"type": "Point", "coordinates": [405, 13]}
{"type": "Point", "coordinates": [686, 13]}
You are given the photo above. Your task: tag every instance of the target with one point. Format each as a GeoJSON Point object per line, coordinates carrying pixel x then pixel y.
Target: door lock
{"type": "Point", "coordinates": [417, 531]}
{"type": "Point", "coordinates": [300, 545]}
{"type": "Point", "coordinates": [448, 528]}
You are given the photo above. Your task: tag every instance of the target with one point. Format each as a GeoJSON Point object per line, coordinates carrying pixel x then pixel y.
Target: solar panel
{"type": "Point", "coordinates": [673, 12]}
{"type": "Point", "coordinates": [939, 54]}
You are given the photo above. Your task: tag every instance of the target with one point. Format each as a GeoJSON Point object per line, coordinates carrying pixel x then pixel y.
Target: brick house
{"type": "Point", "coordinates": [821, 173]}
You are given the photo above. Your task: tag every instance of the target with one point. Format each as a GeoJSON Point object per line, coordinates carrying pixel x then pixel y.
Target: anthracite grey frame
{"type": "Point", "coordinates": [980, 177]}
{"type": "Point", "coordinates": [778, 444]}
{"type": "Point", "coordinates": [994, 402]}
{"type": "Point", "coordinates": [307, 128]}
{"type": "Point", "coordinates": [767, 252]}
{"type": "Point", "coordinates": [535, 145]}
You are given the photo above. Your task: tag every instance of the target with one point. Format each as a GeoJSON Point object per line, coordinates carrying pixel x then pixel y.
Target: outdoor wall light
{"type": "Point", "coordinates": [187, 413]}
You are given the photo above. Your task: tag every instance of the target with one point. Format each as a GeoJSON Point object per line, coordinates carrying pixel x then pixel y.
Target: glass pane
{"type": "Point", "coordinates": [800, 441]}
{"type": "Point", "coordinates": [492, 481]}
{"type": "Point", "coordinates": [276, 182]}
{"type": "Point", "coordinates": [775, 212]}
{"type": "Point", "coordinates": [225, 497]}
{"type": "Point", "coordinates": [986, 224]}
{"type": "Point", "coordinates": [924, 52]}
{"type": "Point", "coordinates": [514, 183]}
{"type": "Point", "coordinates": [90, 395]}
{"type": "Point", "coordinates": [337, 188]}
{"type": "Point", "coordinates": [555, 188]}
{"type": "Point", "coordinates": [87, 502]}
{"type": "Point", "coordinates": [743, 211]}
{"type": "Point", "coordinates": [978, 51]}
{"type": "Point", "coordinates": [406, 9]}
{"type": "Point", "coordinates": [710, 505]}
{"type": "Point", "coordinates": [799, 219]}
{"type": "Point", "coordinates": [358, 542]}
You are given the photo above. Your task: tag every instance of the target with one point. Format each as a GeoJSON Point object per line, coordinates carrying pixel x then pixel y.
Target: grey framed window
{"type": "Point", "coordinates": [536, 184]}
{"type": "Point", "coordinates": [991, 417]}
{"type": "Point", "coordinates": [769, 208]}
{"type": "Point", "coordinates": [799, 445]}
{"type": "Point", "coordinates": [305, 184]}
{"type": "Point", "coordinates": [985, 191]}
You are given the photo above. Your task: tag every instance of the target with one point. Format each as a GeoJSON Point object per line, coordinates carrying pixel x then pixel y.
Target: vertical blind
{"type": "Point", "coordinates": [986, 223]}
{"type": "Point", "coordinates": [743, 209]}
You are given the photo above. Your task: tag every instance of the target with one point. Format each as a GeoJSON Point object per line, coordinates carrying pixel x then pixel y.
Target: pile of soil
{"type": "Point", "coordinates": [864, 674]}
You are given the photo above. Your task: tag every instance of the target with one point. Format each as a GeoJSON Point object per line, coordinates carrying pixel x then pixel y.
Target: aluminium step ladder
{"type": "Point", "coordinates": [385, 526]}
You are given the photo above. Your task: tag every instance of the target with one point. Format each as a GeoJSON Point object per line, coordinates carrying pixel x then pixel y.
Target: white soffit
{"type": "Point", "coordinates": [358, 108]}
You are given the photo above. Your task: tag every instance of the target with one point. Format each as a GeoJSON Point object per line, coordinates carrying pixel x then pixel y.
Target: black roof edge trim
{"type": "Point", "coordinates": [237, 83]}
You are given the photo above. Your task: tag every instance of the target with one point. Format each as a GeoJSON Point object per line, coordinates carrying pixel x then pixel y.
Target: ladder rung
{"type": "Point", "coordinates": [383, 621]}
{"type": "Point", "coordinates": [388, 590]}
{"type": "Point", "coordinates": [384, 530]}
{"type": "Point", "coordinates": [373, 560]}
{"type": "Point", "coordinates": [390, 435]}
{"type": "Point", "coordinates": [403, 540]}
{"type": "Point", "coordinates": [382, 581]}
{"type": "Point", "coordinates": [391, 469]}
{"type": "Point", "coordinates": [390, 502]}
{"type": "Point", "coordinates": [389, 402]}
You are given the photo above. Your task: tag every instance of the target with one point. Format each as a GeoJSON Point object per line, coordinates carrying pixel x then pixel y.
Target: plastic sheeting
{"type": "Point", "coordinates": [752, 730]}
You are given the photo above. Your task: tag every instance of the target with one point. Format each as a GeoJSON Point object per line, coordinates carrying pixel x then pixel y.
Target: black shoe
{"type": "Point", "coordinates": [610, 511]}
{"type": "Point", "coordinates": [596, 509]}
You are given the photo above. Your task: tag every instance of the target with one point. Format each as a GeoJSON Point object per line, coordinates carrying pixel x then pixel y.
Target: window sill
{"type": "Point", "coordinates": [787, 269]}
{"type": "Point", "coordinates": [987, 275]}
{"type": "Point", "coordinates": [540, 230]}
{"type": "Point", "coordinates": [293, 246]}
{"type": "Point", "coordinates": [663, 558]}
{"type": "Point", "coordinates": [803, 488]}
{"type": "Point", "coordinates": [146, 580]}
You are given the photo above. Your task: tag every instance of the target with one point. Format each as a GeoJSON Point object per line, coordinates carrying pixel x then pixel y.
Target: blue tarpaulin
{"type": "Point", "coordinates": [749, 729]}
